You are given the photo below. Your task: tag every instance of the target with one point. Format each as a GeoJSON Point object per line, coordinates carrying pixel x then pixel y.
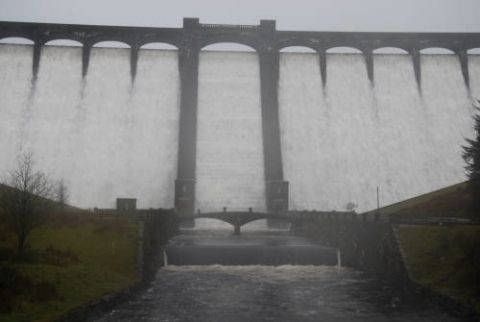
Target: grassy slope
{"type": "Point", "coordinates": [444, 258]}
{"type": "Point", "coordinates": [91, 257]}
{"type": "Point", "coordinates": [447, 202]}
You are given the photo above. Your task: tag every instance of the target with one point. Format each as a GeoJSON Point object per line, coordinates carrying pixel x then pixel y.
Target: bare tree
{"type": "Point", "coordinates": [62, 194]}
{"type": "Point", "coordinates": [25, 199]}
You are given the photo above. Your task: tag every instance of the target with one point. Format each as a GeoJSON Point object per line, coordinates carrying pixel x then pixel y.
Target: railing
{"type": "Point", "coordinates": [209, 26]}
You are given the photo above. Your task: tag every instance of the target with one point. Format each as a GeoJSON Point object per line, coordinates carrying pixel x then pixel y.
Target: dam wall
{"type": "Point", "coordinates": [105, 136]}
{"type": "Point", "coordinates": [114, 122]}
{"type": "Point", "coordinates": [340, 143]}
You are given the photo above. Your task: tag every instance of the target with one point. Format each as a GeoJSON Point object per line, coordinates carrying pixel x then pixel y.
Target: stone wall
{"type": "Point", "coordinates": [364, 243]}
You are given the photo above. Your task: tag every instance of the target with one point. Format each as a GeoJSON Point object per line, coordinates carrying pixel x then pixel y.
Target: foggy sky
{"type": "Point", "coordinates": [320, 15]}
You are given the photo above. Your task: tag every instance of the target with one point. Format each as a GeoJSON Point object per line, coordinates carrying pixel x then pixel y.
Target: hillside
{"type": "Point", "coordinates": [442, 258]}
{"type": "Point", "coordinates": [450, 201]}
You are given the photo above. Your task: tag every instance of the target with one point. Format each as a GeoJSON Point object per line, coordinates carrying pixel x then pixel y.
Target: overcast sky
{"type": "Point", "coordinates": [321, 15]}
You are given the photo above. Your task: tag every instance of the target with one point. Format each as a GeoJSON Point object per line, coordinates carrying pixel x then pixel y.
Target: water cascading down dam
{"type": "Point", "coordinates": [265, 129]}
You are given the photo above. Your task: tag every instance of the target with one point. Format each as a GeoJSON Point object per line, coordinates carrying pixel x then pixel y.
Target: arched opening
{"type": "Point", "coordinates": [474, 51]}
{"type": "Point", "coordinates": [111, 44]}
{"type": "Point", "coordinates": [158, 46]}
{"type": "Point", "coordinates": [212, 223]}
{"type": "Point", "coordinates": [229, 167]}
{"type": "Point", "coordinates": [436, 51]}
{"type": "Point", "coordinates": [297, 49]}
{"type": "Point", "coordinates": [256, 225]}
{"type": "Point", "coordinates": [343, 50]}
{"type": "Point", "coordinates": [228, 46]}
{"type": "Point", "coordinates": [390, 51]}
{"type": "Point", "coordinates": [16, 40]}
{"type": "Point", "coordinates": [64, 43]}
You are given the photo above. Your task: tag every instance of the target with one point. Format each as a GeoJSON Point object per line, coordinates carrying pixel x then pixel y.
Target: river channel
{"type": "Point", "coordinates": [259, 292]}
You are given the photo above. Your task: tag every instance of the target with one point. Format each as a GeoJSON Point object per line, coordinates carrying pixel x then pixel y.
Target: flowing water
{"type": "Point", "coordinates": [110, 136]}
{"type": "Point", "coordinates": [266, 293]}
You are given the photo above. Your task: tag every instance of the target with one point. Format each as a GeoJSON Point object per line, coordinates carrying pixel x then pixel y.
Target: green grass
{"type": "Point", "coordinates": [445, 259]}
{"type": "Point", "coordinates": [447, 202]}
{"type": "Point", "coordinates": [79, 256]}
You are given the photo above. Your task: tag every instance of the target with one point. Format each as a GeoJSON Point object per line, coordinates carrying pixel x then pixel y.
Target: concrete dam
{"type": "Point", "coordinates": [198, 129]}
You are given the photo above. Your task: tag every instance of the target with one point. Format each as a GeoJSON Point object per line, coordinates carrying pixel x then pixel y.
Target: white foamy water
{"type": "Point", "coordinates": [105, 136]}
{"type": "Point", "coordinates": [108, 137]}
{"type": "Point", "coordinates": [229, 150]}
{"type": "Point", "coordinates": [266, 293]}
{"type": "Point", "coordinates": [341, 143]}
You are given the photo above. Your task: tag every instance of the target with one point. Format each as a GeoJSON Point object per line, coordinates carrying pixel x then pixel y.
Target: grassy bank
{"type": "Point", "coordinates": [445, 259]}
{"type": "Point", "coordinates": [71, 261]}
{"type": "Point", "coordinates": [450, 201]}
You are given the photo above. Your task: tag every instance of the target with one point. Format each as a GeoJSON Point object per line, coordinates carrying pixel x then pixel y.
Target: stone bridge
{"type": "Point", "coordinates": [239, 218]}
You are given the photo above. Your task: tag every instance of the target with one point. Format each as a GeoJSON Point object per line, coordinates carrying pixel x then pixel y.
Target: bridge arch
{"type": "Point", "coordinates": [212, 223]}
{"type": "Point", "coordinates": [240, 219]}
{"type": "Point", "coordinates": [16, 40]}
{"type": "Point", "coordinates": [437, 51]}
{"type": "Point", "coordinates": [343, 50]}
{"type": "Point", "coordinates": [474, 51]}
{"type": "Point", "coordinates": [390, 50]}
{"type": "Point", "coordinates": [158, 45]}
{"type": "Point", "coordinates": [298, 49]}
{"type": "Point", "coordinates": [233, 41]}
{"type": "Point", "coordinates": [285, 45]}
{"type": "Point", "coordinates": [111, 44]}
{"type": "Point", "coordinates": [228, 46]}
{"type": "Point", "coordinates": [64, 42]}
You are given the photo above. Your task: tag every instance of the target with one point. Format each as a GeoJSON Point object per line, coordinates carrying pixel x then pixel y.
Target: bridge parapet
{"type": "Point", "coordinates": [240, 218]}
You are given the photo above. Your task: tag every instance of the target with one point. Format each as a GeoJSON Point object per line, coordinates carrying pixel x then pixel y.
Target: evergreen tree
{"type": "Point", "coordinates": [471, 155]}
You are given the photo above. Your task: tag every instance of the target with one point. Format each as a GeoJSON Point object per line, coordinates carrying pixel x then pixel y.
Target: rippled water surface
{"type": "Point", "coordinates": [267, 293]}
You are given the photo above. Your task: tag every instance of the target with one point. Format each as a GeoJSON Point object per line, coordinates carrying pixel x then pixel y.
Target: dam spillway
{"type": "Point", "coordinates": [345, 127]}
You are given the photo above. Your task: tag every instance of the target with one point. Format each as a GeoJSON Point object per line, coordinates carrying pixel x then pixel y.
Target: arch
{"type": "Point", "coordinates": [64, 43]}
{"type": "Point", "coordinates": [297, 49]}
{"type": "Point", "coordinates": [436, 51]}
{"type": "Point", "coordinates": [209, 223]}
{"type": "Point", "coordinates": [390, 51]}
{"type": "Point", "coordinates": [474, 51]}
{"type": "Point", "coordinates": [343, 50]}
{"type": "Point", "coordinates": [110, 44]}
{"type": "Point", "coordinates": [228, 46]}
{"type": "Point", "coordinates": [296, 44]}
{"type": "Point", "coordinates": [16, 40]}
{"type": "Point", "coordinates": [158, 46]}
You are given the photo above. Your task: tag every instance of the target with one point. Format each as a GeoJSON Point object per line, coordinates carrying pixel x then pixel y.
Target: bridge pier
{"type": "Point", "coordinates": [277, 201]}
{"type": "Point", "coordinates": [236, 229]}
